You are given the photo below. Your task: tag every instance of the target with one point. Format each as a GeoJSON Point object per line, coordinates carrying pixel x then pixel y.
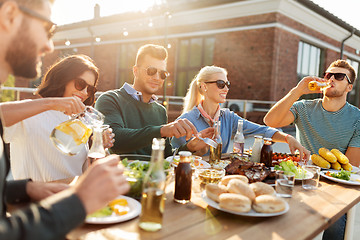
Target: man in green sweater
{"type": "Point", "coordinates": [135, 116]}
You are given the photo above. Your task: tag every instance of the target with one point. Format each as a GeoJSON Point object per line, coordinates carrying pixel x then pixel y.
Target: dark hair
{"type": "Point", "coordinates": [155, 51]}
{"type": "Point", "coordinates": [344, 64]}
{"type": "Point", "coordinates": [64, 71]}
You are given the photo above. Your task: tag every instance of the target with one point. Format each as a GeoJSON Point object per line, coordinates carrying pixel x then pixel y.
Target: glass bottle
{"type": "Point", "coordinates": [256, 149]}
{"type": "Point", "coordinates": [153, 196]}
{"type": "Point", "coordinates": [239, 140]}
{"type": "Point", "coordinates": [183, 178]}
{"type": "Point", "coordinates": [215, 153]}
{"type": "Point", "coordinates": [316, 85]}
{"type": "Point", "coordinates": [266, 152]}
{"type": "Point", "coordinates": [97, 149]}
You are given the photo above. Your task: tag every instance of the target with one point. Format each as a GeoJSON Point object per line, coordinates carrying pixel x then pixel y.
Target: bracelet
{"type": "Point", "coordinates": [286, 139]}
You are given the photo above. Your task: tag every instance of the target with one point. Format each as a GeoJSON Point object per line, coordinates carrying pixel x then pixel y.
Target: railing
{"type": "Point", "coordinates": [237, 105]}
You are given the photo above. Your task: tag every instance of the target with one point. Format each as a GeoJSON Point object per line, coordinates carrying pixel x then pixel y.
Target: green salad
{"type": "Point", "coordinates": [344, 175]}
{"type": "Point", "coordinates": [135, 172]}
{"type": "Point", "coordinates": [289, 166]}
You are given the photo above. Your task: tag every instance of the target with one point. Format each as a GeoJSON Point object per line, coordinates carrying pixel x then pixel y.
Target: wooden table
{"type": "Point", "coordinates": [310, 213]}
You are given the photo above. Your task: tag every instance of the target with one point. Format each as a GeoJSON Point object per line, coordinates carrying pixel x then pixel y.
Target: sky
{"type": "Point", "coordinates": [70, 11]}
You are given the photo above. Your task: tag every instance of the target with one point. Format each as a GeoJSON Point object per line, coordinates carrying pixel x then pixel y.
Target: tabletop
{"type": "Point", "coordinates": [310, 213]}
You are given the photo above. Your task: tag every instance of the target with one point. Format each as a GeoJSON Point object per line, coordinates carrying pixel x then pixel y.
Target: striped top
{"type": "Point", "coordinates": [316, 127]}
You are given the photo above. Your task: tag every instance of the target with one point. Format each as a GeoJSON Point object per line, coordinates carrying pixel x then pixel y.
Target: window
{"type": "Point", "coordinates": [193, 54]}
{"type": "Point", "coordinates": [353, 96]}
{"type": "Point", "coordinates": [127, 55]}
{"type": "Point", "coordinates": [310, 62]}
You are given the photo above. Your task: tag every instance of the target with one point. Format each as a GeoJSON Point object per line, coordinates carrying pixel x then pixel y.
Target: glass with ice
{"type": "Point", "coordinates": [70, 136]}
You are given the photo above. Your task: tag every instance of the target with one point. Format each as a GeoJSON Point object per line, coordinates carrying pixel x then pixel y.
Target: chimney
{"type": "Point", "coordinates": [97, 11]}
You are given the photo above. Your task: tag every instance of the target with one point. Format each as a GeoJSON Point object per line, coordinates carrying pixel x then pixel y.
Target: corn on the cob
{"type": "Point", "coordinates": [340, 156]}
{"type": "Point", "coordinates": [327, 155]}
{"type": "Point", "coordinates": [319, 161]}
{"type": "Point", "coordinates": [347, 167]}
{"type": "Point", "coordinates": [336, 166]}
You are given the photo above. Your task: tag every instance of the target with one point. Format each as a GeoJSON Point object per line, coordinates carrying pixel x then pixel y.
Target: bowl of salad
{"type": "Point", "coordinates": [135, 171]}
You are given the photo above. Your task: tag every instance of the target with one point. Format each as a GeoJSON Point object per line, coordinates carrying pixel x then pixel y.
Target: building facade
{"type": "Point", "coordinates": [267, 46]}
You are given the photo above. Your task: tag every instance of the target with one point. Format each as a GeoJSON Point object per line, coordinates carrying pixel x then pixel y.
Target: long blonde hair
{"type": "Point", "coordinates": [194, 94]}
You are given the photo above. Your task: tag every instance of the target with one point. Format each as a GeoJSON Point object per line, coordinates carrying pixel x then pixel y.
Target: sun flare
{"type": "Point", "coordinates": [69, 11]}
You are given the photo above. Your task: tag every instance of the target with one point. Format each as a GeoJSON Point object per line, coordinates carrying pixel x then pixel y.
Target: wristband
{"type": "Point", "coordinates": [286, 139]}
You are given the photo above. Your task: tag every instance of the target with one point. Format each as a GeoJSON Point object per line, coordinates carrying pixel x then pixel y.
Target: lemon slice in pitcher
{"type": "Point", "coordinates": [76, 129]}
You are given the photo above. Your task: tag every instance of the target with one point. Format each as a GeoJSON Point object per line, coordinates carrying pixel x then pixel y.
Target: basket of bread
{"type": "Point", "coordinates": [235, 195]}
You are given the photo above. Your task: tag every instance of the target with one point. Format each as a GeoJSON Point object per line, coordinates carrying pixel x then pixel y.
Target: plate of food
{"type": "Point", "coordinates": [251, 213]}
{"type": "Point", "coordinates": [121, 209]}
{"type": "Point", "coordinates": [196, 161]}
{"type": "Point", "coordinates": [290, 166]}
{"type": "Point", "coordinates": [344, 177]}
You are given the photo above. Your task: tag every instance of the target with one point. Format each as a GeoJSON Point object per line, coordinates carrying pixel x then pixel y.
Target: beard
{"type": "Point", "coordinates": [22, 56]}
{"type": "Point", "coordinates": [334, 93]}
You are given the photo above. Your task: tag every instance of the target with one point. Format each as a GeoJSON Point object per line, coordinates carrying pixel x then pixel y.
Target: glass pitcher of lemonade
{"type": "Point", "coordinates": [70, 136]}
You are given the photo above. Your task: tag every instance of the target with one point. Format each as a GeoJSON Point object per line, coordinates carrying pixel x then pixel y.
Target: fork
{"type": "Point", "coordinates": [208, 141]}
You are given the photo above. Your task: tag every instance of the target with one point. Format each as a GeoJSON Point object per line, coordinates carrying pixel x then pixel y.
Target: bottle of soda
{"type": "Point", "coordinates": [215, 153]}
{"type": "Point", "coordinates": [153, 196]}
{"type": "Point", "coordinates": [183, 178]}
{"type": "Point", "coordinates": [256, 149]}
{"type": "Point", "coordinates": [266, 152]}
{"type": "Point", "coordinates": [97, 149]}
{"type": "Point", "coordinates": [239, 140]}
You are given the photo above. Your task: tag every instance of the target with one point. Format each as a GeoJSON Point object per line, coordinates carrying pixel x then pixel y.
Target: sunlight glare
{"type": "Point", "coordinates": [70, 11]}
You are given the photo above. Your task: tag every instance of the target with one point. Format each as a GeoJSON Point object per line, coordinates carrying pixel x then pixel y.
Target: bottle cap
{"type": "Point", "coordinates": [268, 139]}
{"type": "Point", "coordinates": [185, 154]}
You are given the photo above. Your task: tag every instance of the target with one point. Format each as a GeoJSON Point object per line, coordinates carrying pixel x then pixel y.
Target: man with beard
{"type": "Point", "coordinates": [330, 122]}
{"type": "Point", "coordinates": [25, 36]}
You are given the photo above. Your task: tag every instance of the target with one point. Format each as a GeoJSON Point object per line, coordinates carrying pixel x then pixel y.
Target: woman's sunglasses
{"type": "Point", "coordinates": [151, 71]}
{"type": "Point", "coordinates": [337, 76]}
{"type": "Point", "coordinates": [81, 84]}
{"type": "Point", "coordinates": [221, 83]}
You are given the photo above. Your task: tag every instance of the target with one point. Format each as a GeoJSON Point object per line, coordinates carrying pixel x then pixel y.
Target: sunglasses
{"type": "Point", "coordinates": [337, 76]}
{"type": "Point", "coordinates": [221, 83]}
{"type": "Point", "coordinates": [49, 26]}
{"type": "Point", "coordinates": [151, 71]}
{"type": "Point", "coordinates": [81, 84]}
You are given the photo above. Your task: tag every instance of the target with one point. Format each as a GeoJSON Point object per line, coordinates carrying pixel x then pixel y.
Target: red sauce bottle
{"type": "Point", "coordinates": [183, 178]}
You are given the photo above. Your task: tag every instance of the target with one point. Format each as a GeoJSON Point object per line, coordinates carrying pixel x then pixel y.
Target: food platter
{"type": "Point", "coordinates": [354, 178]}
{"type": "Point", "coordinates": [135, 209]}
{"type": "Point", "coordinates": [196, 163]}
{"type": "Point", "coordinates": [252, 213]}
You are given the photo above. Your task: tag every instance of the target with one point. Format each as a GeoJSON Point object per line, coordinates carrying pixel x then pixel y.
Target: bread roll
{"type": "Point", "coordinates": [238, 186]}
{"type": "Point", "coordinates": [213, 191]}
{"type": "Point", "coordinates": [261, 188]}
{"type": "Point", "coordinates": [225, 180]}
{"type": "Point", "coordinates": [268, 204]}
{"type": "Point", "coordinates": [234, 202]}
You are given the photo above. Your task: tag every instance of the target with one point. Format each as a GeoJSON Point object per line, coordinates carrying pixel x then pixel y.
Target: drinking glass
{"type": "Point", "coordinates": [311, 180]}
{"type": "Point", "coordinates": [70, 136]}
{"type": "Point", "coordinates": [284, 184]}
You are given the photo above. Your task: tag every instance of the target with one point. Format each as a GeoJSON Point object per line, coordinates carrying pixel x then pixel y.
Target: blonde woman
{"type": "Point", "coordinates": [202, 108]}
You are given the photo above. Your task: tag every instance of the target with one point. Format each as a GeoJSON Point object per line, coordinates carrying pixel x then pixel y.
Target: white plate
{"type": "Point", "coordinates": [135, 210]}
{"type": "Point", "coordinates": [202, 163]}
{"type": "Point", "coordinates": [352, 181]}
{"type": "Point", "coordinates": [307, 176]}
{"type": "Point", "coordinates": [252, 213]}
{"type": "Point", "coordinates": [354, 169]}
